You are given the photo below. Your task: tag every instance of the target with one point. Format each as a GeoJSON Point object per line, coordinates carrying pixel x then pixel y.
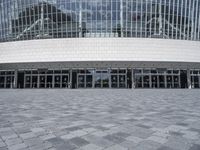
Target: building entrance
{"type": "Point", "coordinates": [101, 79]}
{"type": "Point", "coordinates": [85, 78]}
{"type": "Point", "coordinates": [6, 79]}
{"type": "Point", "coordinates": [157, 78]}
{"type": "Point", "coordinates": [118, 78]}
{"type": "Point", "coordinates": [46, 79]}
{"type": "Point", "coordinates": [195, 78]}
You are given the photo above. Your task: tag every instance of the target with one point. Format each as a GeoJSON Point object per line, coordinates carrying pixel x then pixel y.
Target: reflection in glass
{"type": "Point", "coordinates": [88, 81]}
{"type": "Point", "coordinates": [2, 80]}
{"type": "Point", "coordinates": [27, 81]}
{"type": "Point", "coordinates": [44, 19]}
{"type": "Point", "coordinates": [34, 81]}
{"type": "Point", "coordinates": [49, 81]}
{"type": "Point", "coordinates": [114, 81]}
{"type": "Point", "coordinates": [57, 80]}
{"type": "Point", "coordinates": [64, 81]}
{"type": "Point", "coordinates": [42, 82]}
{"type": "Point", "coordinates": [81, 81]}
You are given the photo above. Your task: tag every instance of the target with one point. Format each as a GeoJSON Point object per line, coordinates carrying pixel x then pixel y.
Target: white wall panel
{"type": "Point", "coordinates": [100, 49]}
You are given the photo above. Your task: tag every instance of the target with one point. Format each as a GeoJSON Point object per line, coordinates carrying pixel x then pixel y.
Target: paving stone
{"type": "Point", "coordinates": [91, 147]}
{"type": "Point", "coordinates": [56, 141]}
{"type": "Point", "coordinates": [128, 144]}
{"type": "Point", "coordinates": [195, 147]}
{"type": "Point", "coordinates": [3, 148]}
{"type": "Point", "coordinates": [101, 142]}
{"type": "Point", "coordinates": [99, 119]}
{"type": "Point", "coordinates": [147, 145]}
{"type": "Point", "coordinates": [178, 143]}
{"type": "Point", "coordinates": [79, 141]}
{"type": "Point", "coordinates": [157, 139]}
{"type": "Point", "coordinates": [65, 146]}
{"type": "Point", "coordinates": [114, 138]}
{"type": "Point", "coordinates": [17, 147]}
{"type": "Point", "coordinates": [135, 139]}
{"type": "Point", "coordinates": [13, 141]}
{"type": "Point", "coordinates": [122, 134]}
{"type": "Point", "coordinates": [2, 144]}
{"type": "Point", "coordinates": [27, 135]}
{"type": "Point", "coordinates": [164, 148]}
{"type": "Point", "coordinates": [116, 147]}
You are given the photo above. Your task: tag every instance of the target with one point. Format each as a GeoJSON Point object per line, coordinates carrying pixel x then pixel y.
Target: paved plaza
{"type": "Point", "coordinates": [66, 119]}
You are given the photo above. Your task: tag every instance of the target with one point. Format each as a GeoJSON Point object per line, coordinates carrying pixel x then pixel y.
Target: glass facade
{"type": "Point", "coordinates": [44, 19]}
{"type": "Point", "coordinates": [114, 78]}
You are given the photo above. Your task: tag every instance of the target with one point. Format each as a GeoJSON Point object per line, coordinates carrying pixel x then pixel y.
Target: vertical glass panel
{"type": "Point", "coordinates": [146, 81]}
{"type": "Point", "coordinates": [169, 82]}
{"type": "Point", "coordinates": [65, 81]}
{"type": "Point", "coordinates": [27, 81]}
{"type": "Point", "coordinates": [161, 81]}
{"type": "Point", "coordinates": [34, 81]}
{"type": "Point", "coordinates": [81, 81]}
{"type": "Point", "coordinates": [138, 80]}
{"type": "Point", "coordinates": [49, 81]}
{"type": "Point", "coordinates": [89, 81]}
{"type": "Point", "coordinates": [114, 81]}
{"type": "Point", "coordinates": [42, 81]}
{"type": "Point", "coordinates": [154, 81]}
{"type": "Point", "coordinates": [105, 80]}
{"type": "Point", "coordinates": [57, 81]}
{"type": "Point", "coordinates": [122, 81]}
{"type": "Point", "coordinates": [98, 79]}
{"type": "Point", "coordinates": [2, 81]}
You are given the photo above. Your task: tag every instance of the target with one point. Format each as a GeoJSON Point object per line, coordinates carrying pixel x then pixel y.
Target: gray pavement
{"type": "Point", "coordinates": [99, 119]}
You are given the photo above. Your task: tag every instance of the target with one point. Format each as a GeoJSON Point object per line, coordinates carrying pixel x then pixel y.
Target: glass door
{"type": "Point", "coordinates": [65, 80]}
{"type": "Point", "coordinates": [154, 81]}
{"type": "Point", "coordinates": [98, 79]}
{"type": "Point", "coordinates": [89, 81]}
{"type": "Point", "coordinates": [49, 81]}
{"type": "Point", "coordinates": [161, 81]}
{"type": "Point", "coordinates": [57, 80]}
{"type": "Point", "coordinates": [27, 81]}
{"type": "Point", "coordinates": [105, 79]}
{"type": "Point", "coordinates": [34, 81]}
{"type": "Point", "coordinates": [81, 81]}
{"type": "Point", "coordinates": [114, 81]}
{"type": "Point", "coordinates": [42, 81]}
{"type": "Point", "coordinates": [122, 81]}
{"type": "Point", "coordinates": [2, 81]}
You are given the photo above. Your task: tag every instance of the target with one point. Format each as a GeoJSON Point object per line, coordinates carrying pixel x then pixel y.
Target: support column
{"type": "Point", "coordinates": [93, 79]}
{"type": "Point", "coordinates": [70, 79]}
{"type": "Point", "coordinates": [109, 70]}
{"type": "Point", "coordinates": [15, 80]}
{"type": "Point", "coordinates": [133, 79]}
{"type": "Point", "coordinates": [150, 81]}
{"type": "Point", "coordinates": [165, 76]}
{"type": "Point", "coordinates": [38, 81]}
{"type": "Point", "coordinates": [53, 80]}
{"type": "Point", "coordinates": [189, 79]}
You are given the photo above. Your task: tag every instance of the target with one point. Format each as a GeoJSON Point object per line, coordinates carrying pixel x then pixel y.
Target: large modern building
{"type": "Point", "coordinates": [99, 44]}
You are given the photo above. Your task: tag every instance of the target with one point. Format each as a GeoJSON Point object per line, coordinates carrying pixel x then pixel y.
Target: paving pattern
{"type": "Point", "coordinates": [99, 119]}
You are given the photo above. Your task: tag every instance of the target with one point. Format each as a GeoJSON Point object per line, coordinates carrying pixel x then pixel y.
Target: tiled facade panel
{"type": "Point", "coordinates": [100, 49]}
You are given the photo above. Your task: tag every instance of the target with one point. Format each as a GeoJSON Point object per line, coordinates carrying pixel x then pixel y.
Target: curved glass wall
{"type": "Point", "coordinates": [42, 19]}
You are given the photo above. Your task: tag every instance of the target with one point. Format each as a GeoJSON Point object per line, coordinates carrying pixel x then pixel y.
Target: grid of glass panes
{"type": "Point", "coordinates": [195, 78]}
{"type": "Point", "coordinates": [46, 79]}
{"type": "Point", "coordinates": [38, 19]}
{"type": "Point", "coordinates": [85, 78]}
{"type": "Point", "coordinates": [157, 78]}
{"type": "Point", "coordinates": [7, 79]}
